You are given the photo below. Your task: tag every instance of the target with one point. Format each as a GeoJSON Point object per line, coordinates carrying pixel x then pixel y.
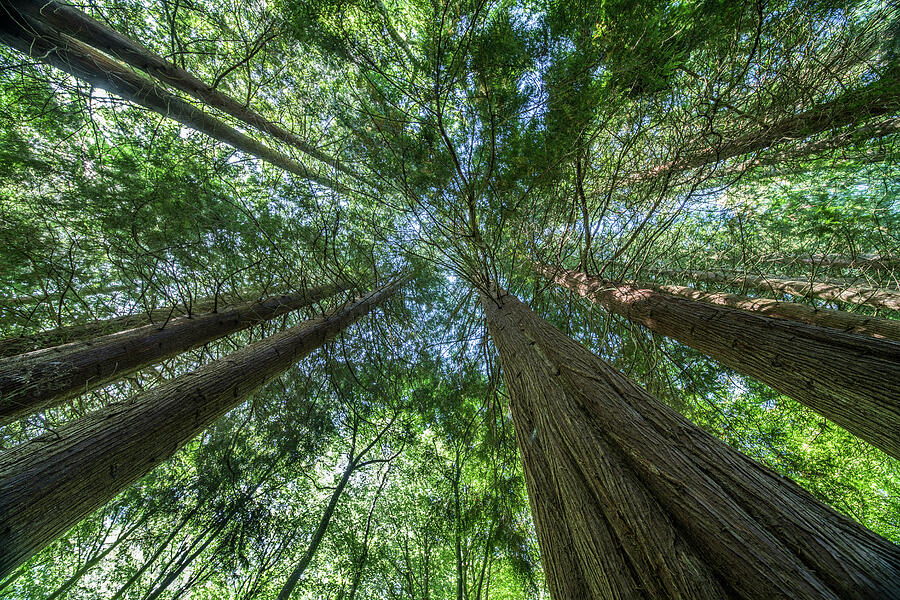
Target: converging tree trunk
{"type": "Point", "coordinates": [359, 563]}
{"type": "Point", "coordinates": [186, 518]}
{"type": "Point", "coordinates": [187, 558]}
{"type": "Point", "coordinates": [837, 261]}
{"type": "Point", "coordinates": [795, 311]}
{"type": "Point", "coordinates": [881, 98]}
{"type": "Point", "coordinates": [49, 484]}
{"type": "Point", "coordinates": [831, 290]}
{"type": "Point", "coordinates": [812, 148]}
{"type": "Point", "coordinates": [39, 380]}
{"type": "Point", "coordinates": [44, 44]}
{"type": "Point", "coordinates": [71, 21]}
{"type": "Point", "coordinates": [631, 500]}
{"type": "Point", "coordinates": [355, 462]}
{"type": "Point", "coordinates": [298, 570]}
{"type": "Point", "coordinates": [66, 334]}
{"type": "Point", "coordinates": [850, 379]}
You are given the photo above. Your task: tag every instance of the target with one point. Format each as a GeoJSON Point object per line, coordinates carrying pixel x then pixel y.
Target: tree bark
{"type": "Point", "coordinates": [71, 21]}
{"type": "Point", "coordinates": [49, 484]}
{"type": "Point", "coordinates": [795, 311]}
{"type": "Point", "coordinates": [83, 62]}
{"type": "Point", "coordinates": [644, 504]}
{"type": "Point", "coordinates": [74, 333]}
{"type": "Point", "coordinates": [831, 290]}
{"type": "Point", "coordinates": [850, 379]}
{"type": "Point", "coordinates": [45, 378]}
{"type": "Point", "coordinates": [878, 99]}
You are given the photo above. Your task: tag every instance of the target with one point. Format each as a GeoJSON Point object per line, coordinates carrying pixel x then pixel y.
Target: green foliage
{"type": "Point", "coordinates": [487, 135]}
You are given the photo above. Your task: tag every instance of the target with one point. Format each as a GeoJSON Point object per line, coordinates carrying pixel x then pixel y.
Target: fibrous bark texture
{"type": "Point", "coordinates": [631, 500]}
{"type": "Point", "coordinates": [43, 43]}
{"type": "Point", "coordinates": [832, 290]}
{"type": "Point", "coordinates": [795, 311]}
{"type": "Point", "coordinates": [49, 484]}
{"type": "Point", "coordinates": [71, 21]}
{"type": "Point", "coordinates": [42, 379]}
{"type": "Point", "coordinates": [851, 379]}
{"type": "Point", "coordinates": [66, 334]}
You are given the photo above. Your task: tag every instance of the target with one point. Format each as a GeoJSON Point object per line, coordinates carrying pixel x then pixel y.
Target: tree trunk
{"type": "Point", "coordinates": [318, 535]}
{"type": "Point", "coordinates": [395, 35]}
{"type": "Point", "coordinates": [831, 290]}
{"type": "Point", "coordinates": [644, 504]}
{"type": "Point", "coordinates": [49, 484]}
{"type": "Point", "coordinates": [80, 60]}
{"type": "Point", "coordinates": [850, 379]}
{"type": "Point", "coordinates": [71, 21]}
{"type": "Point", "coordinates": [817, 147]}
{"type": "Point", "coordinates": [354, 462]}
{"type": "Point", "coordinates": [795, 311]}
{"type": "Point", "coordinates": [45, 378]}
{"type": "Point", "coordinates": [837, 261]}
{"type": "Point", "coordinates": [74, 333]}
{"type": "Point", "coordinates": [360, 563]}
{"type": "Point", "coordinates": [54, 297]}
{"type": "Point", "coordinates": [881, 98]}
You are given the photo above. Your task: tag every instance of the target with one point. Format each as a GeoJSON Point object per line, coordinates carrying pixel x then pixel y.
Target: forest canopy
{"type": "Point", "coordinates": [449, 298]}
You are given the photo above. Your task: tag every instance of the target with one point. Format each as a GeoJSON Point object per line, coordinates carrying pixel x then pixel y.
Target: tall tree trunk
{"type": "Point", "coordinates": [69, 20]}
{"type": "Point", "coordinates": [44, 44]}
{"type": "Point", "coordinates": [816, 147]}
{"type": "Point", "coordinates": [360, 563]}
{"type": "Point", "coordinates": [395, 35]}
{"type": "Point", "coordinates": [74, 333]}
{"type": "Point", "coordinates": [851, 379]}
{"type": "Point", "coordinates": [49, 484]}
{"type": "Point", "coordinates": [795, 311]}
{"type": "Point", "coordinates": [644, 504]}
{"type": "Point", "coordinates": [318, 535]}
{"type": "Point", "coordinates": [831, 290]}
{"type": "Point", "coordinates": [354, 462]}
{"type": "Point", "coordinates": [838, 261]}
{"type": "Point", "coordinates": [881, 98]}
{"type": "Point", "coordinates": [53, 297]}
{"type": "Point", "coordinates": [45, 378]}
